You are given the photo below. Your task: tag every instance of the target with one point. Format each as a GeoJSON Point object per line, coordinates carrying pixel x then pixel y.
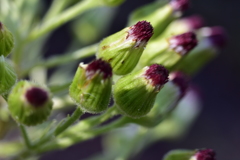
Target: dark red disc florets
{"type": "Point", "coordinates": [205, 154]}
{"type": "Point", "coordinates": [36, 96]}
{"type": "Point", "coordinates": [101, 66]}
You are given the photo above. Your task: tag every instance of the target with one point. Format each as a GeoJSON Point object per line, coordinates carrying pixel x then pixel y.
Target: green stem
{"type": "Point", "coordinates": [72, 137]}
{"type": "Point", "coordinates": [66, 58]}
{"type": "Point", "coordinates": [62, 126]}
{"type": "Point", "coordinates": [25, 136]}
{"type": "Point", "coordinates": [62, 18]}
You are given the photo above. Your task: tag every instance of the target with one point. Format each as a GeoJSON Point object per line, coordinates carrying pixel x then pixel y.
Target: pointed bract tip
{"type": "Point", "coordinates": [183, 43]}
{"type": "Point", "coordinates": [181, 80]}
{"type": "Point", "coordinates": [157, 74]}
{"type": "Point", "coordinates": [180, 5]}
{"type": "Point", "coordinates": [217, 35]}
{"type": "Point", "coordinates": [141, 31]}
{"type": "Point", "coordinates": [36, 96]}
{"type": "Point", "coordinates": [101, 66]}
{"type": "Point", "coordinates": [194, 22]}
{"type": "Point", "coordinates": [205, 154]}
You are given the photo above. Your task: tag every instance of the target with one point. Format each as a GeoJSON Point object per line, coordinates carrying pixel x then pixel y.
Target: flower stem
{"type": "Point", "coordinates": [66, 58]}
{"type": "Point", "coordinates": [25, 136]}
{"type": "Point", "coordinates": [62, 18]}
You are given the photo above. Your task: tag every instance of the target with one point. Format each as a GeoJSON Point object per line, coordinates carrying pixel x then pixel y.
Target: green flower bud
{"type": "Point", "coordinates": [6, 41]}
{"type": "Point", "coordinates": [112, 3]}
{"type": "Point", "coordinates": [212, 39]}
{"type": "Point", "coordinates": [179, 155]}
{"type": "Point", "coordinates": [29, 103]}
{"type": "Point", "coordinates": [91, 86]}
{"type": "Point", "coordinates": [124, 48]}
{"type": "Point", "coordinates": [135, 93]}
{"type": "Point", "coordinates": [168, 52]}
{"type": "Point", "coordinates": [166, 100]}
{"type": "Point", "coordinates": [159, 14]}
{"type": "Point", "coordinates": [8, 76]}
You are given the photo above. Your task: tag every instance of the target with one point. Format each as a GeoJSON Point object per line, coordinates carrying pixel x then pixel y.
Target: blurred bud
{"type": "Point", "coordinates": [204, 154]}
{"type": "Point", "coordinates": [135, 93]}
{"type": "Point", "coordinates": [183, 25]}
{"type": "Point", "coordinates": [29, 103]}
{"type": "Point", "coordinates": [124, 48]}
{"type": "Point", "coordinates": [91, 86]}
{"type": "Point", "coordinates": [178, 155]}
{"type": "Point", "coordinates": [6, 41]}
{"type": "Point", "coordinates": [8, 76]}
{"type": "Point", "coordinates": [212, 39]}
{"type": "Point", "coordinates": [112, 3]}
{"type": "Point", "coordinates": [169, 52]}
{"type": "Point", "coordinates": [159, 14]}
{"type": "Point", "coordinates": [166, 100]}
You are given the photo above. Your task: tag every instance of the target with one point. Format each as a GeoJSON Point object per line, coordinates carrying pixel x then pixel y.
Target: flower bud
{"type": "Point", "coordinates": [135, 93]}
{"type": "Point", "coordinates": [204, 154]}
{"type": "Point", "coordinates": [178, 155]}
{"type": "Point", "coordinates": [124, 48]}
{"type": "Point", "coordinates": [112, 3]}
{"type": "Point", "coordinates": [6, 41]}
{"type": "Point", "coordinates": [29, 103]}
{"type": "Point", "coordinates": [159, 14]}
{"type": "Point", "coordinates": [211, 41]}
{"type": "Point", "coordinates": [169, 52]}
{"type": "Point", "coordinates": [8, 76]}
{"type": "Point", "coordinates": [92, 85]}
{"type": "Point", "coordinates": [184, 25]}
{"type": "Point", "coordinates": [166, 100]}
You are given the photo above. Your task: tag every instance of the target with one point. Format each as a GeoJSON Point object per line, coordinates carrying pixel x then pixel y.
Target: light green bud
{"type": "Point", "coordinates": [135, 93]}
{"type": "Point", "coordinates": [6, 41]}
{"type": "Point", "coordinates": [8, 76]}
{"type": "Point", "coordinates": [29, 103]}
{"type": "Point", "coordinates": [124, 48]}
{"type": "Point", "coordinates": [91, 86]}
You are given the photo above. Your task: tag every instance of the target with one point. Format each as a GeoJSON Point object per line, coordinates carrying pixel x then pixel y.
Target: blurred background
{"type": "Point", "coordinates": [218, 126]}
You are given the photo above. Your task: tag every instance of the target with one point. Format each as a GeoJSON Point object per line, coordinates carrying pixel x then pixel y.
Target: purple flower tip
{"type": "Point", "coordinates": [217, 36]}
{"type": "Point", "coordinates": [181, 80]}
{"type": "Point", "coordinates": [141, 31]}
{"type": "Point", "coordinates": [180, 5]}
{"type": "Point", "coordinates": [36, 96]}
{"type": "Point", "coordinates": [99, 65]}
{"type": "Point", "coordinates": [183, 43]}
{"type": "Point", "coordinates": [157, 74]}
{"type": "Point", "coordinates": [194, 22]}
{"type": "Point", "coordinates": [205, 154]}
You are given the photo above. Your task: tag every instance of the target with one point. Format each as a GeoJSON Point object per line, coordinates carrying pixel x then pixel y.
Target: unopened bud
{"type": "Point", "coordinates": [135, 93]}
{"type": "Point", "coordinates": [6, 41]}
{"type": "Point", "coordinates": [169, 52]}
{"type": "Point", "coordinates": [204, 154]}
{"type": "Point", "coordinates": [8, 76]}
{"type": "Point", "coordinates": [29, 103]}
{"type": "Point", "coordinates": [166, 100]}
{"type": "Point", "coordinates": [124, 48]}
{"type": "Point", "coordinates": [91, 86]}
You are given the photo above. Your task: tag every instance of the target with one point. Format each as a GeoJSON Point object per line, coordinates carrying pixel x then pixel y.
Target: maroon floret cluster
{"type": "Point", "coordinates": [183, 43]}
{"type": "Point", "coordinates": [180, 5]}
{"type": "Point", "coordinates": [181, 80]}
{"type": "Point", "coordinates": [205, 154]}
{"type": "Point", "coordinates": [157, 74]}
{"type": "Point", "coordinates": [141, 31]}
{"type": "Point", "coordinates": [36, 96]}
{"type": "Point", "coordinates": [99, 65]}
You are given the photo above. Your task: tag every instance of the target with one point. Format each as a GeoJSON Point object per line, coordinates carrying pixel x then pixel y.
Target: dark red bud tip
{"type": "Point", "coordinates": [183, 43]}
{"type": "Point", "coordinates": [180, 5]}
{"type": "Point", "coordinates": [101, 66]}
{"type": "Point", "coordinates": [1, 26]}
{"type": "Point", "coordinates": [141, 31]}
{"type": "Point", "coordinates": [194, 22]}
{"type": "Point", "coordinates": [157, 74]}
{"type": "Point", "coordinates": [181, 80]}
{"type": "Point", "coordinates": [217, 36]}
{"type": "Point", "coordinates": [205, 154]}
{"type": "Point", "coordinates": [36, 96]}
